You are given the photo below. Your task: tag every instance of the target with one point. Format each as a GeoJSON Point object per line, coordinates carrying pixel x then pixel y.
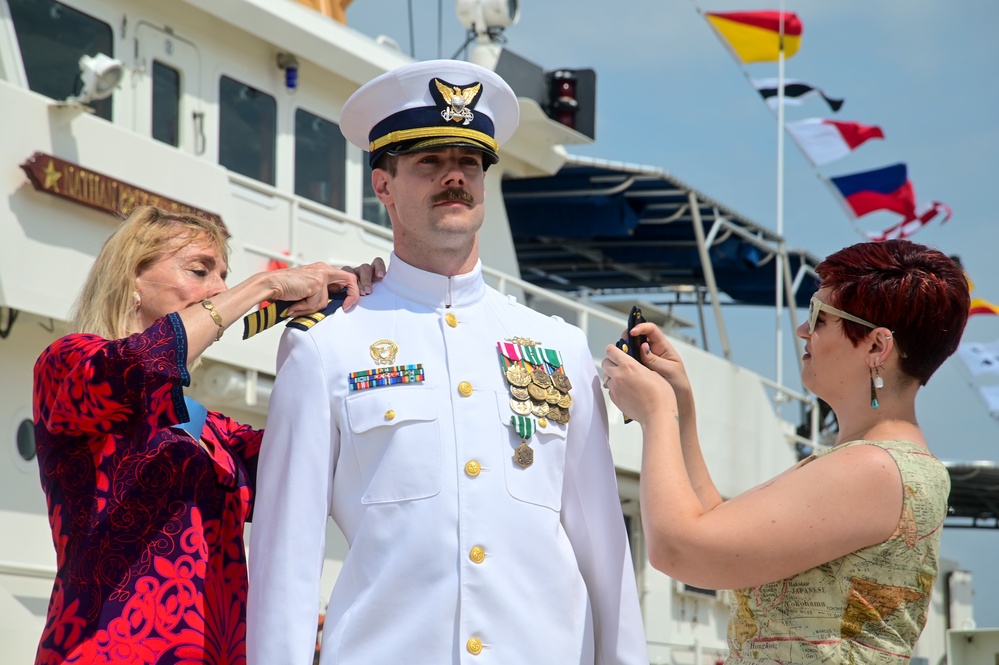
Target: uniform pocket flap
{"type": "Point", "coordinates": [390, 407]}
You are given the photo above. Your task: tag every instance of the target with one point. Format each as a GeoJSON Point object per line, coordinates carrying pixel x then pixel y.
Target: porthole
{"type": "Point", "coordinates": [26, 440]}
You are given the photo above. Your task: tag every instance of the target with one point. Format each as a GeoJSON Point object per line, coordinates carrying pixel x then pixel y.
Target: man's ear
{"type": "Point", "coordinates": [380, 184]}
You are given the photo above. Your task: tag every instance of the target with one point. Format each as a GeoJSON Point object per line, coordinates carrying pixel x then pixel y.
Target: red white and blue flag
{"type": "Point", "coordinates": [825, 141]}
{"type": "Point", "coordinates": [887, 188]}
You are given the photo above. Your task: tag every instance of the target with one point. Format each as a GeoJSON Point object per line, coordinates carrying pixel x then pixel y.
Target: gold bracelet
{"type": "Point", "coordinates": [207, 304]}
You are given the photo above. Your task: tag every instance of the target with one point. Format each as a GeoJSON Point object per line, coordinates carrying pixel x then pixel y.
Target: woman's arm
{"type": "Point", "coordinates": [661, 357]}
{"type": "Point", "coordinates": [308, 285]}
{"type": "Point", "coordinates": [87, 384]}
{"type": "Point", "coordinates": [807, 516]}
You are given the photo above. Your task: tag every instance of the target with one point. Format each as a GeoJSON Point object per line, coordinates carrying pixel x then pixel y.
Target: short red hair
{"type": "Point", "coordinates": [918, 293]}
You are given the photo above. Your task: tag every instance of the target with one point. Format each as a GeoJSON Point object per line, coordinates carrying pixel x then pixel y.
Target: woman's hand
{"type": "Point", "coordinates": [368, 274]}
{"type": "Point", "coordinates": [634, 389]}
{"type": "Point", "coordinates": [309, 287]}
{"type": "Point", "coordinates": [660, 356]}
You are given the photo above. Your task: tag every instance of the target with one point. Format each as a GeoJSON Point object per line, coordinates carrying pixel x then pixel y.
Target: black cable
{"type": "Point", "coordinates": [471, 36]}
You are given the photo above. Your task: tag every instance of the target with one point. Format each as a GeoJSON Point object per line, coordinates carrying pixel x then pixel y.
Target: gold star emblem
{"type": "Point", "coordinates": [51, 177]}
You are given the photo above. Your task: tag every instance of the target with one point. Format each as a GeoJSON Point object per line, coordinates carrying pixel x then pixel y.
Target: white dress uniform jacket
{"type": "Point", "coordinates": [457, 554]}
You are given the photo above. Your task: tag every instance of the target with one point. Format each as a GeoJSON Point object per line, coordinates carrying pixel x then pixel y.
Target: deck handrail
{"type": "Point", "coordinates": [27, 570]}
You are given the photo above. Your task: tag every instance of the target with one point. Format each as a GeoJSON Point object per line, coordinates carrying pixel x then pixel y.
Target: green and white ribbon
{"type": "Point", "coordinates": [524, 426]}
{"type": "Point", "coordinates": [533, 355]}
{"type": "Point", "coordinates": [552, 358]}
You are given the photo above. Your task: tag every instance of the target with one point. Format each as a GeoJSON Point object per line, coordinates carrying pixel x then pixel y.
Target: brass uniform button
{"type": "Point", "coordinates": [465, 388]}
{"type": "Point", "coordinates": [474, 646]}
{"type": "Point", "coordinates": [477, 555]}
{"type": "Point", "coordinates": [451, 319]}
{"type": "Point", "coordinates": [390, 414]}
{"type": "Point", "coordinates": [472, 468]}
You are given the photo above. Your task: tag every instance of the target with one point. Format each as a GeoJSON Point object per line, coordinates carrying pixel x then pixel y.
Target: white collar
{"type": "Point", "coordinates": [431, 289]}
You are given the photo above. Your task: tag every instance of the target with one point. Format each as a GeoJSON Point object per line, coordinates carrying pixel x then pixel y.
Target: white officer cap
{"type": "Point", "coordinates": [430, 105]}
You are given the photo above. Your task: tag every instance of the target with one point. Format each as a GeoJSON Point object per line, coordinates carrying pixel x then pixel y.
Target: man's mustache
{"type": "Point", "coordinates": [454, 194]}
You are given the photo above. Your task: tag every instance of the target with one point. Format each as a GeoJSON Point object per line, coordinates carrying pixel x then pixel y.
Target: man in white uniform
{"type": "Point", "coordinates": [457, 438]}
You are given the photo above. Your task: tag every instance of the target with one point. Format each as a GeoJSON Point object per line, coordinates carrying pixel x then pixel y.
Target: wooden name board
{"type": "Point", "coordinates": [102, 192]}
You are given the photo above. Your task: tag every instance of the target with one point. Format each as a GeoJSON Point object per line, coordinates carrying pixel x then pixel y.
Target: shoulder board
{"type": "Point", "coordinates": [271, 315]}
{"type": "Point", "coordinates": [306, 322]}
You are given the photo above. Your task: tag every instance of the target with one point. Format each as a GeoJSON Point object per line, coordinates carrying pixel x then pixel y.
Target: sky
{"type": "Point", "coordinates": [669, 95]}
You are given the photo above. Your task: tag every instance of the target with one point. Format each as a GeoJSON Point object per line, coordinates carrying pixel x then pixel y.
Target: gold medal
{"type": "Point", "coordinates": [519, 407]}
{"type": "Point", "coordinates": [565, 401]}
{"type": "Point", "coordinates": [555, 413]}
{"type": "Point", "coordinates": [561, 382]}
{"type": "Point", "coordinates": [537, 392]}
{"type": "Point", "coordinates": [552, 396]}
{"type": "Point", "coordinates": [540, 377]}
{"type": "Point", "coordinates": [523, 455]}
{"type": "Point", "coordinates": [521, 394]}
{"type": "Point", "coordinates": [540, 409]}
{"type": "Point", "coordinates": [518, 376]}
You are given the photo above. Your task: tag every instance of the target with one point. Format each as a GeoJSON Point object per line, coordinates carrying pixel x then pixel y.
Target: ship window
{"type": "Point", "coordinates": [53, 38]}
{"type": "Point", "coordinates": [372, 209]}
{"type": "Point", "coordinates": [166, 104]}
{"type": "Point", "coordinates": [247, 130]}
{"type": "Point", "coordinates": [320, 158]}
{"type": "Point", "coordinates": [26, 440]}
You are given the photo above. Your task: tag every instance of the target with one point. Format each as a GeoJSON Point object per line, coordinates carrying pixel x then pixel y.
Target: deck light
{"type": "Point", "coordinates": [289, 64]}
{"type": "Point", "coordinates": [100, 76]}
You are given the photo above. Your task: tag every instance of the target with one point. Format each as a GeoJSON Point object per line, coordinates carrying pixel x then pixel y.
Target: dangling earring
{"type": "Point", "coordinates": [874, 395]}
{"type": "Point", "coordinates": [136, 299]}
{"type": "Point", "coordinates": [879, 383]}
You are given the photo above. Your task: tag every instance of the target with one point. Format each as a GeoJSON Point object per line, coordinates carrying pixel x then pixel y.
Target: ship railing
{"type": "Point", "coordinates": [585, 316]}
{"type": "Point", "coordinates": [19, 569]}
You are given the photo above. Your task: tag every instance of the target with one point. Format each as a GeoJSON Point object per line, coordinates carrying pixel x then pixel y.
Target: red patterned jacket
{"type": "Point", "coordinates": [147, 524]}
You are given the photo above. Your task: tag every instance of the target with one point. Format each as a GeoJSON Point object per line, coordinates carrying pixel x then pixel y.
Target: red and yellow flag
{"type": "Point", "coordinates": [755, 36]}
{"type": "Point", "coordinates": [979, 306]}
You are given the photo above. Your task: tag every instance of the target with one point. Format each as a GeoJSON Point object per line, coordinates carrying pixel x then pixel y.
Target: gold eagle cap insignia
{"type": "Point", "coordinates": [458, 100]}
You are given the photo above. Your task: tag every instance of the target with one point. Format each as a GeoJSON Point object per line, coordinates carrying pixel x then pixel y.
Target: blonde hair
{"type": "Point", "coordinates": [106, 306]}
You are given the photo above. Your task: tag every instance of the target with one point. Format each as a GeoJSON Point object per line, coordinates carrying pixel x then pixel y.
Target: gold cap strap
{"type": "Point", "coordinates": [402, 135]}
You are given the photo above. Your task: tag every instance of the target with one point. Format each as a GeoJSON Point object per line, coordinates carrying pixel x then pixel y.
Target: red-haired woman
{"type": "Point", "coordinates": [834, 559]}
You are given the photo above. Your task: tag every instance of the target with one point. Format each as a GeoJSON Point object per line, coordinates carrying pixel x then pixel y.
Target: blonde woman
{"type": "Point", "coordinates": [148, 492]}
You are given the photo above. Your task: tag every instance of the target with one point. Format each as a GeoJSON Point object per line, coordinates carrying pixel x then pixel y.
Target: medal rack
{"type": "Point", "coordinates": [539, 391]}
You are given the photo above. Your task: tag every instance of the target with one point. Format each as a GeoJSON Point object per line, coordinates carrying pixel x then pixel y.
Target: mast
{"type": "Point", "coordinates": [779, 272]}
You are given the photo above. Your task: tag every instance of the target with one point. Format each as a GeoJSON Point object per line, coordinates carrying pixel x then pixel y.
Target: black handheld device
{"type": "Point", "coordinates": [633, 344]}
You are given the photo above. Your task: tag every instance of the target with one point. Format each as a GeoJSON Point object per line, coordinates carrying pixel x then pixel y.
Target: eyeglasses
{"type": "Point", "coordinates": [815, 306]}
